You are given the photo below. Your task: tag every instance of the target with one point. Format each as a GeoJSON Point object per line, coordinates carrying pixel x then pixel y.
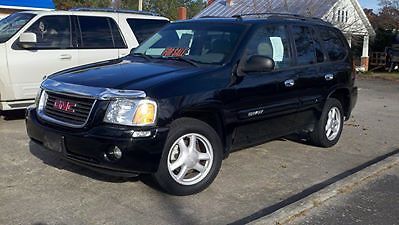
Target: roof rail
{"type": "Point", "coordinates": [285, 15]}
{"type": "Point", "coordinates": [205, 17]}
{"type": "Point", "coordinates": [114, 11]}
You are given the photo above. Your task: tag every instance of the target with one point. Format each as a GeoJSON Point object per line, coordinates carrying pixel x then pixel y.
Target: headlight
{"type": "Point", "coordinates": [42, 99]}
{"type": "Point", "coordinates": [131, 112]}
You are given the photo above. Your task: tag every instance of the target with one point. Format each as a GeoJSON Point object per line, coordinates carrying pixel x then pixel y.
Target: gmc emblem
{"type": "Point", "coordinates": [64, 106]}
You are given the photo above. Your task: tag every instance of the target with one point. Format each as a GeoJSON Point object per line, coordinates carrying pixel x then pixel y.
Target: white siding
{"type": "Point", "coordinates": [345, 17]}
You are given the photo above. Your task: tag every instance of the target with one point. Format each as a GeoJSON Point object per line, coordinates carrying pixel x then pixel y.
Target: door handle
{"type": "Point", "coordinates": [329, 77]}
{"type": "Point", "coordinates": [66, 56]}
{"type": "Point", "coordinates": [289, 83]}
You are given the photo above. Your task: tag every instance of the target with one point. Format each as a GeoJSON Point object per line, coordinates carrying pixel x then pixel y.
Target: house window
{"type": "Point", "coordinates": [342, 16]}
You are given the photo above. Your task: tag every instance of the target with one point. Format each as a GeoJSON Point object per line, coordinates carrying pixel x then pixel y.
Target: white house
{"type": "Point", "coordinates": [8, 7]}
{"type": "Point", "coordinates": [347, 15]}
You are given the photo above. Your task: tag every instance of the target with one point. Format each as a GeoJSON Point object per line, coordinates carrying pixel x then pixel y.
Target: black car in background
{"type": "Point", "coordinates": [194, 92]}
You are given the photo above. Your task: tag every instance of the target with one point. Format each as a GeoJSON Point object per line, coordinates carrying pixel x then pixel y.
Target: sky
{"type": "Point", "coordinates": [370, 4]}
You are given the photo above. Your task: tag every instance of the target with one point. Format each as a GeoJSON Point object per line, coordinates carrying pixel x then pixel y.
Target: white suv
{"type": "Point", "coordinates": [36, 44]}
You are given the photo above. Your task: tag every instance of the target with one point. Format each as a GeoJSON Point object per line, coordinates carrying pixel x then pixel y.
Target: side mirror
{"type": "Point", "coordinates": [27, 40]}
{"type": "Point", "coordinates": [259, 64]}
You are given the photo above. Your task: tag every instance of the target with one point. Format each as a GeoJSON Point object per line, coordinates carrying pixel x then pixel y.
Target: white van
{"type": "Point", "coordinates": [36, 44]}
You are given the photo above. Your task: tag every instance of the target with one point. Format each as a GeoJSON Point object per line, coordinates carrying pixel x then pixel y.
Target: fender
{"type": "Point", "coordinates": [210, 112]}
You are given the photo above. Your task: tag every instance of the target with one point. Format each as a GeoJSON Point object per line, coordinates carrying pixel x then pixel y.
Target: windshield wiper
{"type": "Point", "coordinates": [186, 60]}
{"type": "Point", "coordinates": [147, 57]}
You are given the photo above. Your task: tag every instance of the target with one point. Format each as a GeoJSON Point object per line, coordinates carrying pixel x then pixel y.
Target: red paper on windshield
{"type": "Point", "coordinates": [174, 52]}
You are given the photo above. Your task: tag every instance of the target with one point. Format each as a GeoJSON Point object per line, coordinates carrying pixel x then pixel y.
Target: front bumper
{"type": "Point", "coordinates": [87, 146]}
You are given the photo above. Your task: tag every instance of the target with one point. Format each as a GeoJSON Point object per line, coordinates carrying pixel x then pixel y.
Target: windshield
{"type": "Point", "coordinates": [202, 43]}
{"type": "Point", "coordinates": [12, 24]}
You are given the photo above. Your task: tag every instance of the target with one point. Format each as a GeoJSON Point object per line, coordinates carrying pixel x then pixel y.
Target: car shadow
{"type": "Point", "coordinates": [300, 138]}
{"type": "Point", "coordinates": [54, 160]}
{"type": "Point", "coordinates": [14, 114]}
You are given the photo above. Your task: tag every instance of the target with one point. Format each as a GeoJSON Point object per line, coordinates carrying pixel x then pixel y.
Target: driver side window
{"type": "Point", "coordinates": [273, 42]}
{"type": "Point", "coordinates": [52, 32]}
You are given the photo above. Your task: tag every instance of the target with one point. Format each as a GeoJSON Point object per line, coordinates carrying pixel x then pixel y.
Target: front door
{"type": "Point", "coordinates": [53, 52]}
{"type": "Point", "coordinates": [266, 103]}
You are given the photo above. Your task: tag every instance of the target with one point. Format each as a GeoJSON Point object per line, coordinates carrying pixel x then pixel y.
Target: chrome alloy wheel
{"type": "Point", "coordinates": [333, 125]}
{"type": "Point", "coordinates": [190, 159]}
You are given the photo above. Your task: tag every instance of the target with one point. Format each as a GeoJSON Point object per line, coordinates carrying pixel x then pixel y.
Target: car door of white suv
{"type": "Point", "coordinates": [54, 51]}
{"type": "Point", "coordinates": [100, 39]}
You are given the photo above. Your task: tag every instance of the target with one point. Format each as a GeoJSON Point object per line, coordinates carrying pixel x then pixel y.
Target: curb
{"type": "Point", "coordinates": [346, 185]}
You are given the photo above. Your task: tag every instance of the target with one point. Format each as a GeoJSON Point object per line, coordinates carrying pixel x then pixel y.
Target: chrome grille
{"type": "Point", "coordinates": [75, 113]}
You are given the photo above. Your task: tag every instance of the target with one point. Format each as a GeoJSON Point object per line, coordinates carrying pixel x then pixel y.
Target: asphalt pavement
{"type": "Point", "coordinates": [37, 187]}
{"type": "Point", "coordinates": [376, 202]}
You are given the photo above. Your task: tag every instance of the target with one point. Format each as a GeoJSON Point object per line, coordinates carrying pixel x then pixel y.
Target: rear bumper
{"type": "Point", "coordinates": [16, 104]}
{"type": "Point", "coordinates": [87, 147]}
{"type": "Point", "coordinates": [353, 100]}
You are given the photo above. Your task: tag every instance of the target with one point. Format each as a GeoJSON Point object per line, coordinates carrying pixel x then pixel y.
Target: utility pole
{"type": "Point", "coordinates": [140, 5]}
{"type": "Point", "coordinates": [116, 4]}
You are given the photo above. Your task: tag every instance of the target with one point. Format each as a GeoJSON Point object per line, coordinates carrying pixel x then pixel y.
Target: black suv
{"type": "Point", "coordinates": [195, 91]}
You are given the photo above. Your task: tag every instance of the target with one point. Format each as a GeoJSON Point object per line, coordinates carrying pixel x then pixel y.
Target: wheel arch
{"type": "Point", "coordinates": [342, 95]}
{"type": "Point", "coordinates": [214, 118]}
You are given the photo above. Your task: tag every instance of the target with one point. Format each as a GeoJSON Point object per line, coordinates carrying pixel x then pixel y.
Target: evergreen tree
{"type": "Point", "coordinates": [167, 8]}
{"type": "Point", "coordinates": [69, 4]}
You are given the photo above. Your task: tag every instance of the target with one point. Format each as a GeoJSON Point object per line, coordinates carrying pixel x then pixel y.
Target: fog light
{"type": "Point", "coordinates": [141, 134]}
{"type": "Point", "coordinates": [113, 154]}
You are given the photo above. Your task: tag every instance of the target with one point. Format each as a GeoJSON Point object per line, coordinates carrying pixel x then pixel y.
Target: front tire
{"type": "Point", "coordinates": [191, 159]}
{"type": "Point", "coordinates": [328, 129]}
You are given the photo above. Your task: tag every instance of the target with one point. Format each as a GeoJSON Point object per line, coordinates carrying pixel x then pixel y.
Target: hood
{"type": "Point", "coordinates": [124, 74]}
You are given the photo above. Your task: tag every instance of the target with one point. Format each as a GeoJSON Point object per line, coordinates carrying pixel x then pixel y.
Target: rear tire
{"type": "Point", "coordinates": [328, 129]}
{"type": "Point", "coordinates": [191, 159]}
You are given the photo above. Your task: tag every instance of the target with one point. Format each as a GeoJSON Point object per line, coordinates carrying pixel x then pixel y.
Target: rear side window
{"type": "Point", "coordinates": [99, 32]}
{"type": "Point", "coordinates": [52, 32]}
{"type": "Point", "coordinates": [332, 44]}
{"type": "Point", "coordinates": [305, 46]}
{"type": "Point", "coordinates": [144, 28]}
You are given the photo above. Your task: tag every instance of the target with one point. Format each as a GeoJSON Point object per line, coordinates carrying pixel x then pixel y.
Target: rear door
{"type": "Point", "coordinates": [266, 103]}
{"type": "Point", "coordinates": [338, 67]}
{"type": "Point", "coordinates": [99, 39]}
{"type": "Point", "coordinates": [309, 57]}
{"type": "Point", "coordinates": [320, 67]}
{"type": "Point", "coordinates": [53, 52]}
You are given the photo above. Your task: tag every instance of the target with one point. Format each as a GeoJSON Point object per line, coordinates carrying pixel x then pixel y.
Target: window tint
{"type": "Point", "coordinates": [271, 41]}
{"type": "Point", "coordinates": [96, 32]}
{"type": "Point", "coordinates": [318, 48]}
{"type": "Point", "coordinates": [143, 28]}
{"type": "Point", "coordinates": [333, 45]}
{"type": "Point", "coordinates": [305, 47]}
{"type": "Point", "coordinates": [52, 32]}
{"type": "Point", "coordinates": [118, 39]}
